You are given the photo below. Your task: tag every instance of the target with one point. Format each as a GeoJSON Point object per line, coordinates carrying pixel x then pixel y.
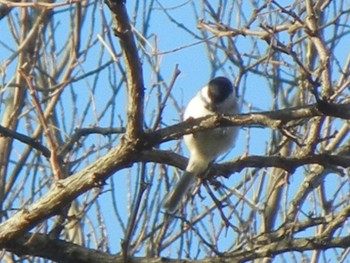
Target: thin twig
{"type": "Point", "coordinates": [162, 105]}
{"type": "Point", "coordinates": [55, 164]}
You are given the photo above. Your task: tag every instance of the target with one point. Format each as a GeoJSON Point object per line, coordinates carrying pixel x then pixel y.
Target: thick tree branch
{"type": "Point", "coordinates": [65, 191]}
{"type": "Point", "coordinates": [272, 119]}
{"type": "Point", "coordinates": [133, 68]}
{"type": "Point", "coordinates": [42, 246]}
{"type": "Point", "coordinates": [315, 35]}
{"type": "Point", "coordinates": [289, 164]}
{"type": "Point", "coordinates": [288, 244]}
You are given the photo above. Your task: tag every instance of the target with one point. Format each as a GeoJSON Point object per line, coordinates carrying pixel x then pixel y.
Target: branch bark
{"type": "Point", "coordinates": [133, 69]}
{"type": "Point", "coordinates": [42, 246]}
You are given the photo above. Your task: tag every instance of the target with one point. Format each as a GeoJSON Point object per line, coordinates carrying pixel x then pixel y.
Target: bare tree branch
{"type": "Point", "coordinates": [133, 68]}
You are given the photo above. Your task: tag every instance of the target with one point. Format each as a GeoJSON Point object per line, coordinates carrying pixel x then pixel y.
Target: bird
{"type": "Point", "coordinates": [217, 97]}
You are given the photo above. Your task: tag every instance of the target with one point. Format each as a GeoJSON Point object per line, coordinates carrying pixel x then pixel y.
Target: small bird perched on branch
{"type": "Point", "coordinates": [218, 97]}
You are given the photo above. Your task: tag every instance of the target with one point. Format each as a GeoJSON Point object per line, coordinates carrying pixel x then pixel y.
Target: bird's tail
{"type": "Point", "coordinates": [175, 197]}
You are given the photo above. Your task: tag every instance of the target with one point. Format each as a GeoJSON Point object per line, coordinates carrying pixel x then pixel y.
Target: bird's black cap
{"type": "Point", "coordinates": [219, 89]}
